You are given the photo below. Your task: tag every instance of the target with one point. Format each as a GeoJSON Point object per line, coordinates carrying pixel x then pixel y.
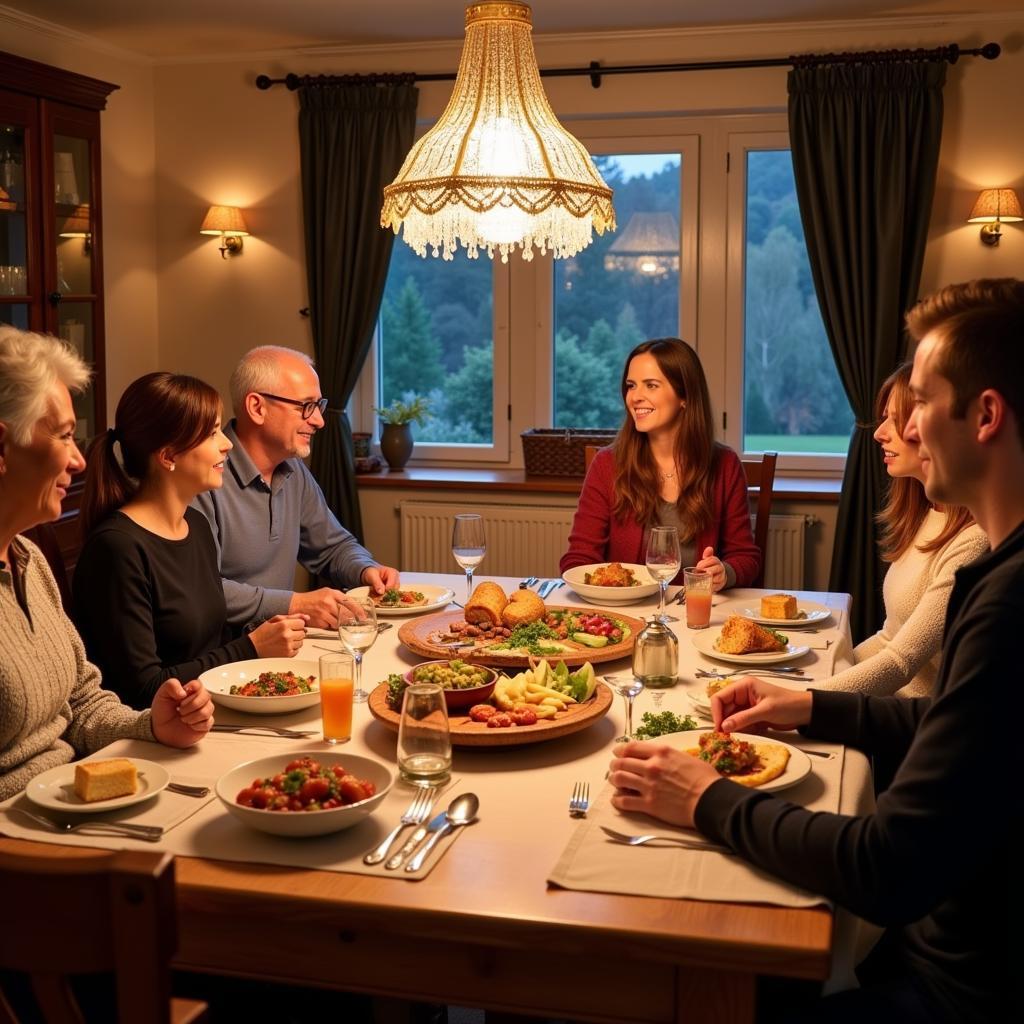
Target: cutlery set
{"type": "Point", "coordinates": [461, 811]}
{"type": "Point", "coordinates": [263, 730]}
{"type": "Point", "coordinates": [543, 587]}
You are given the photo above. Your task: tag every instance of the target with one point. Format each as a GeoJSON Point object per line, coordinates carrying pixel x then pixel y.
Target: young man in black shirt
{"type": "Point", "coordinates": [936, 863]}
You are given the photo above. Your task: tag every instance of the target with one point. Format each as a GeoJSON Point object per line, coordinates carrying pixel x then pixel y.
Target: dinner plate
{"type": "Point", "coordinates": [814, 613]}
{"type": "Point", "coordinates": [467, 733]}
{"type": "Point", "coordinates": [647, 587]}
{"type": "Point", "coordinates": [55, 789]}
{"type": "Point", "coordinates": [420, 636]}
{"type": "Point", "coordinates": [220, 680]}
{"type": "Point", "coordinates": [704, 641]}
{"type": "Point", "coordinates": [437, 598]}
{"type": "Point", "coordinates": [797, 768]}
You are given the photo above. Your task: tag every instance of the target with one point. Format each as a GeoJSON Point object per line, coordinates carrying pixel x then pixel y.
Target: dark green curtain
{"type": "Point", "coordinates": [352, 139]}
{"type": "Point", "coordinates": [865, 142]}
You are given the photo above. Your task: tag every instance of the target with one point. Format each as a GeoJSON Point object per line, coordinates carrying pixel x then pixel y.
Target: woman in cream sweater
{"type": "Point", "coordinates": [924, 545]}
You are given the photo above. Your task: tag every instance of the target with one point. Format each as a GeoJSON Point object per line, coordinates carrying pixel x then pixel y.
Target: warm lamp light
{"type": "Point", "coordinates": [78, 225]}
{"type": "Point", "coordinates": [649, 245]}
{"type": "Point", "coordinates": [497, 170]}
{"type": "Point", "coordinates": [228, 222]}
{"type": "Point", "coordinates": [994, 206]}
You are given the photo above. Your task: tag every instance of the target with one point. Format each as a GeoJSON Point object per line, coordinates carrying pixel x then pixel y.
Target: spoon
{"type": "Point", "coordinates": [461, 811]}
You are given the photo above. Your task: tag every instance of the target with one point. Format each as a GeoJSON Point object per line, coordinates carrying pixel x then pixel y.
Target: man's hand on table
{"type": "Point", "coordinates": [379, 578]}
{"type": "Point", "coordinates": [323, 606]}
{"type": "Point", "coordinates": [654, 779]}
{"type": "Point", "coordinates": [752, 705]}
{"type": "Point", "coordinates": [182, 715]}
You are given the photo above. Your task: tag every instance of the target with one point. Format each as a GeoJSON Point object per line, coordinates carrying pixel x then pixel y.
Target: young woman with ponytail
{"type": "Point", "coordinates": [147, 591]}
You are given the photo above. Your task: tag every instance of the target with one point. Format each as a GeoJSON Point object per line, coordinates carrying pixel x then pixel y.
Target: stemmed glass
{"type": "Point", "coordinates": [358, 635]}
{"type": "Point", "coordinates": [663, 561]}
{"type": "Point", "coordinates": [468, 545]}
{"type": "Point", "coordinates": [627, 688]}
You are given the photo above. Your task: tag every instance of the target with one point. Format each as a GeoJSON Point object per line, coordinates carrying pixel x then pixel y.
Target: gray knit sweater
{"type": "Point", "coordinates": [52, 708]}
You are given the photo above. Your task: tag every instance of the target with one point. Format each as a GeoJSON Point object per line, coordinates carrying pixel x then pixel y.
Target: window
{"type": "Point", "coordinates": [500, 348]}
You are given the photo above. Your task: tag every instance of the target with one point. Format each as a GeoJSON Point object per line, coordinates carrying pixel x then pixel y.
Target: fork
{"type": "Point", "coordinates": [180, 787]}
{"type": "Point", "coordinates": [528, 582]}
{"type": "Point", "coordinates": [415, 814]}
{"type": "Point", "coordinates": [150, 833]}
{"type": "Point", "coordinates": [580, 800]}
{"type": "Point", "coordinates": [686, 844]}
{"type": "Point", "coordinates": [262, 730]}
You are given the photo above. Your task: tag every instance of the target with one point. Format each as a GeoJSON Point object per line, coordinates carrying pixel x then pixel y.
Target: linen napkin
{"type": "Point", "coordinates": [594, 863]}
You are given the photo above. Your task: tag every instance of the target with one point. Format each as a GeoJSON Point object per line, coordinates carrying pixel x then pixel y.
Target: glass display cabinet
{"type": "Point", "coordinates": [51, 266]}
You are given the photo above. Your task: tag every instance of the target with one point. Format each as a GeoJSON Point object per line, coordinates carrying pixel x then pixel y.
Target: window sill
{"type": "Point", "coordinates": [787, 488]}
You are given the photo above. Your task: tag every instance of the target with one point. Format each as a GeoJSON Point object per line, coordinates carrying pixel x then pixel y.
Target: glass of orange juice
{"type": "Point", "coordinates": [336, 686]}
{"type": "Point", "coordinates": [697, 584]}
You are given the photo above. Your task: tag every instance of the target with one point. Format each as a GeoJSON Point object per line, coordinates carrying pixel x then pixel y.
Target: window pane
{"type": "Point", "coordinates": [436, 339]}
{"type": "Point", "coordinates": [793, 400]}
{"type": "Point", "coordinates": [621, 290]}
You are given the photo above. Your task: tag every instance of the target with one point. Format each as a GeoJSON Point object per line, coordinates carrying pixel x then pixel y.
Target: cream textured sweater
{"type": "Point", "coordinates": [903, 656]}
{"type": "Point", "coordinates": [52, 708]}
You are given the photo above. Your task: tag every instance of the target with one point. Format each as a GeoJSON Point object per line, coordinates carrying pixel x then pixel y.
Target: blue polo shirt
{"type": "Point", "coordinates": [262, 530]}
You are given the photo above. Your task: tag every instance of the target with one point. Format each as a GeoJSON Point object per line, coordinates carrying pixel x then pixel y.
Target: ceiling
{"type": "Point", "coordinates": [167, 29]}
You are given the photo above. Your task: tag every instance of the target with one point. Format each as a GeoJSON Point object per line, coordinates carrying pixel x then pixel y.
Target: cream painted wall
{"type": "Point", "coordinates": [129, 193]}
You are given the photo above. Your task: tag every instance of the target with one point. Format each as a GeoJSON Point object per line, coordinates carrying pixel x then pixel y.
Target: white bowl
{"type": "Point", "coordinates": [647, 587]}
{"type": "Point", "coordinates": [303, 823]}
{"type": "Point", "coordinates": [220, 680]}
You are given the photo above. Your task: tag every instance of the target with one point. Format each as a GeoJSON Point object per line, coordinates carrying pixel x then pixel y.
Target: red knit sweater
{"type": "Point", "coordinates": [597, 536]}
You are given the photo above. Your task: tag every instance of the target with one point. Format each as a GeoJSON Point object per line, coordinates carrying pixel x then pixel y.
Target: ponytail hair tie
{"type": "Point", "coordinates": [112, 435]}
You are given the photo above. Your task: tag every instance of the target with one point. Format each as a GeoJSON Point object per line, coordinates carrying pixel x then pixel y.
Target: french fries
{"type": "Point", "coordinates": [528, 687]}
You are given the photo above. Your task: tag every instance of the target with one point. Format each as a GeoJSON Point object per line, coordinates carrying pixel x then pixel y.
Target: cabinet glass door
{"type": "Point", "coordinates": [13, 226]}
{"type": "Point", "coordinates": [72, 197]}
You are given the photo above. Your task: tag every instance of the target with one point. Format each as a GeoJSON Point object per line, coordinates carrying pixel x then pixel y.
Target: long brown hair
{"type": "Point", "coordinates": [159, 410]}
{"type": "Point", "coordinates": [636, 475]}
{"type": "Point", "coordinates": [906, 504]}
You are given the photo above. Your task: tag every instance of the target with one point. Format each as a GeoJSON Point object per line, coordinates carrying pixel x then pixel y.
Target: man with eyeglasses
{"type": "Point", "coordinates": [271, 513]}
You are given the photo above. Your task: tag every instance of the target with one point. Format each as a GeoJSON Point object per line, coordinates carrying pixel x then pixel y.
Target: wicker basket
{"type": "Point", "coordinates": [560, 452]}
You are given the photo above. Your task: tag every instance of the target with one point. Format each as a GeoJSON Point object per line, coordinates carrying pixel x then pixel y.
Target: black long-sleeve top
{"type": "Point", "coordinates": [933, 863]}
{"type": "Point", "coordinates": [150, 609]}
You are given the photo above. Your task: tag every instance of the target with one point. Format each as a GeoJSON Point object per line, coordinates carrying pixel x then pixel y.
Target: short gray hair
{"type": "Point", "coordinates": [259, 370]}
{"type": "Point", "coordinates": [30, 364]}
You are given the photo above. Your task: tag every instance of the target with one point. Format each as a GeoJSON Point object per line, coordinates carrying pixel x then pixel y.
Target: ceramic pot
{"type": "Point", "coordinates": [396, 443]}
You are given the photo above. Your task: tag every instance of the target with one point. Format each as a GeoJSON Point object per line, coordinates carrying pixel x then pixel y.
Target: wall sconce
{"type": "Point", "coordinates": [77, 225]}
{"type": "Point", "coordinates": [226, 221]}
{"type": "Point", "coordinates": [993, 206]}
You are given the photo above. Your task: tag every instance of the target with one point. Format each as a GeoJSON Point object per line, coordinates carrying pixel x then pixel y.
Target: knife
{"type": "Point", "coordinates": [545, 588]}
{"type": "Point", "coordinates": [437, 823]}
{"type": "Point", "coordinates": [440, 826]}
{"type": "Point", "coordinates": [263, 730]}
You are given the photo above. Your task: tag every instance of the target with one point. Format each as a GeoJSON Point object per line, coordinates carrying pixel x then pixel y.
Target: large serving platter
{"type": "Point", "coordinates": [467, 733]}
{"type": "Point", "coordinates": [416, 635]}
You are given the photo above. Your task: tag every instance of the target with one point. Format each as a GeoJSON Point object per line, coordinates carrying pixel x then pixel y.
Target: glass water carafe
{"type": "Point", "coordinates": [656, 655]}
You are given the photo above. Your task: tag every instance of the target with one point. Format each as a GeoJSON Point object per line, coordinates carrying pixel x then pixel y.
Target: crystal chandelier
{"type": "Point", "coordinates": [497, 170]}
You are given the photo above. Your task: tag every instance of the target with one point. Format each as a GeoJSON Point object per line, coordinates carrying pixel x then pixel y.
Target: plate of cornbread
{"type": "Point", "coordinates": [89, 787]}
{"type": "Point", "coordinates": [785, 610]}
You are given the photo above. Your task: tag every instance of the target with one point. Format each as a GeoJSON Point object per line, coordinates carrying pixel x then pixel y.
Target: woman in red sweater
{"type": "Point", "coordinates": [665, 469]}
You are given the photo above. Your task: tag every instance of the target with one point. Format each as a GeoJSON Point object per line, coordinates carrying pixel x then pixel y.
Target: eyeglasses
{"type": "Point", "coordinates": [308, 408]}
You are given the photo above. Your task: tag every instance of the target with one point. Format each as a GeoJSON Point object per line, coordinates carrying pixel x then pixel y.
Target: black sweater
{"type": "Point", "coordinates": [933, 863]}
{"type": "Point", "coordinates": [150, 609]}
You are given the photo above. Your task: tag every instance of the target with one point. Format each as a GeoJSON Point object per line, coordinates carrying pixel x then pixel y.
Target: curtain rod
{"type": "Point", "coordinates": [951, 53]}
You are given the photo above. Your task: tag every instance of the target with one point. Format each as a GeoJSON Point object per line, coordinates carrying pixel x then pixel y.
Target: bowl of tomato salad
{"type": "Point", "coordinates": [310, 793]}
{"type": "Point", "coordinates": [264, 686]}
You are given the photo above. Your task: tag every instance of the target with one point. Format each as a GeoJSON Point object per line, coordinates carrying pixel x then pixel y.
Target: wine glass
{"type": "Point", "coordinates": [358, 635]}
{"type": "Point", "coordinates": [663, 561]}
{"type": "Point", "coordinates": [628, 688]}
{"type": "Point", "coordinates": [468, 545]}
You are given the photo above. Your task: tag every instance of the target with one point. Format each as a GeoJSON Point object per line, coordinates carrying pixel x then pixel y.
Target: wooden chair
{"type": "Point", "coordinates": [44, 536]}
{"type": "Point", "coordinates": [761, 474]}
{"type": "Point", "coordinates": [99, 914]}
{"type": "Point", "coordinates": [588, 455]}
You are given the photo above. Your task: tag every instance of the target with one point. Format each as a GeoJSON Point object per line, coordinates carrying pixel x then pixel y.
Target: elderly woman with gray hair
{"type": "Point", "coordinates": [52, 708]}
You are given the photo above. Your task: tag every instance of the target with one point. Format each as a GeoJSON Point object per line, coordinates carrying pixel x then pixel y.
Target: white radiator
{"type": "Point", "coordinates": [530, 539]}
{"type": "Point", "coordinates": [522, 540]}
{"type": "Point", "coordinates": [784, 559]}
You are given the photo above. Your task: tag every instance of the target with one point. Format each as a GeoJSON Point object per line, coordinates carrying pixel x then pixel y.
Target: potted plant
{"type": "Point", "coordinates": [396, 433]}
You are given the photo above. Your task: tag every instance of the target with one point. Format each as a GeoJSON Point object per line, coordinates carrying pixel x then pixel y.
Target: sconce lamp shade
{"type": "Point", "coordinates": [993, 206]}
{"type": "Point", "coordinates": [228, 222]}
{"type": "Point", "coordinates": [649, 245]}
{"type": "Point", "coordinates": [497, 170]}
{"type": "Point", "coordinates": [76, 224]}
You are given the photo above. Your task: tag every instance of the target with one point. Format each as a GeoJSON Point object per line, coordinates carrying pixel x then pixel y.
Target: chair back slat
{"type": "Point", "coordinates": [760, 473]}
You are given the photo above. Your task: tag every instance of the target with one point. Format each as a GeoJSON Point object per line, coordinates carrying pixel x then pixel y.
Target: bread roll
{"type": "Point", "coordinates": [523, 606]}
{"type": "Point", "coordinates": [778, 606]}
{"type": "Point", "coordinates": [486, 604]}
{"type": "Point", "coordinates": [104, 780]}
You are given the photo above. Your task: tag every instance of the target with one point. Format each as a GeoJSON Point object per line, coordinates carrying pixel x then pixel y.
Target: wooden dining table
{"type": "Point", "coordinates": [485, 928]}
